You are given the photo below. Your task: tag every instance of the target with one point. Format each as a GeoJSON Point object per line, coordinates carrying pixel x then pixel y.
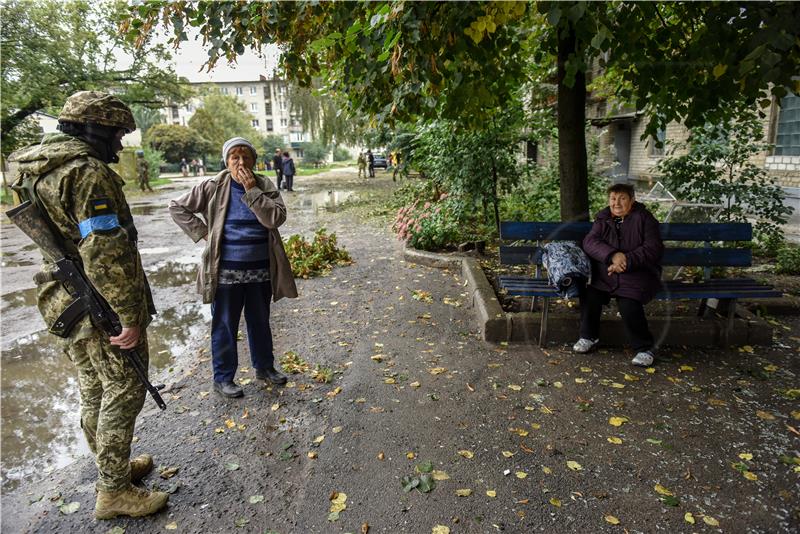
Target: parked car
{"type": "Point", "coordinates": [380, 161]}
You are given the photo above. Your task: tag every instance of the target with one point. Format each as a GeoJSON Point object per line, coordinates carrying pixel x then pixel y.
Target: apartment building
{"type": "Point", "coordinates": [267, 101]}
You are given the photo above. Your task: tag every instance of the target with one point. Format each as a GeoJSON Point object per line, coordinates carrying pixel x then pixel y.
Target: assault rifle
{"type": "Point", "coordinates": [87, 300]}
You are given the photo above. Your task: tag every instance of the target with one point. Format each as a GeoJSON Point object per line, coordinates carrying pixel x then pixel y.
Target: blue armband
{"type": "Point", "coordinates": [100, 223]}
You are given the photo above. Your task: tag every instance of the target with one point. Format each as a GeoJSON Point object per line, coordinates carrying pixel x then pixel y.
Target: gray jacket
{"type": "Point", "coordinates": [210, 198]}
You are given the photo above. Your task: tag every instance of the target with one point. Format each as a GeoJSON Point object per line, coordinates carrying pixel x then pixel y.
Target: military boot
{"type": "Point", "coordinates": [133, 502]}
{"type": "Point", "coordinates": [140, 466]}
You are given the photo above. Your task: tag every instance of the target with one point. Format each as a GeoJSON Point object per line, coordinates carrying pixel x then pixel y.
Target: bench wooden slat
{"type": "Point", "coordinates": [576, 231]}
{"type": "Point", "coordinates": [698, 257]}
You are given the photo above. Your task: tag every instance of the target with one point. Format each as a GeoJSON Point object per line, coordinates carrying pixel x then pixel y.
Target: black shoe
{"type": "Point", "coordinates": [228, 389]}
{"type": "Point", "coordinates": [270, 374]}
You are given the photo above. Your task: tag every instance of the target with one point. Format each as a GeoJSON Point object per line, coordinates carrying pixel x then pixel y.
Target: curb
{"type": "Point", "coordinates": [497, 325]}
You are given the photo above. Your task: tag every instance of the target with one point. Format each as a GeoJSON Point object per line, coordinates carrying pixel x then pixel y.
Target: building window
{"type": "Point", "coordinates": [787, 140]}
{"type": "Point", "coordinates": [239, 91]}
{"type": "Point", "coordinates": [269, 125]}
{"type": "Point", "coordinates": [531, 151]}
{"type": "Point", "coordinates": [283, 122]}
{"type": "Point", "coordinates": [223, 90]}
{"type": "Point", "coordinates": [253, 90]}
{"type": "Point", "coordinates": [283, 105]}
{"type": "Point", "coordinates": [254, 122]}
{"type": "Point", "coordinates": [174, 112]}
{"type": "Point", "coordinates": [661, 138]}
{"type": "Point", "coordinates": [254, 106]}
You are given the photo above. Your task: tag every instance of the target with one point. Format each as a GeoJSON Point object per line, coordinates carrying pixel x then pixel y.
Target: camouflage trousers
{"type": "Point", "coordinates": [111, 398]}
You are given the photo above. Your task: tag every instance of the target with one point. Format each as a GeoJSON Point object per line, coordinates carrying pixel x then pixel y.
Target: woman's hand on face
{"type": "Point", "coordinates": [246, 178]}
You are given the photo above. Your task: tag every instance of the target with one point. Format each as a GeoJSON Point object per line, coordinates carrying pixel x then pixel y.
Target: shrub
{"type": "Point", "coordinates": [430, 225]}
{"type": "Point", "coordinates": [316, 257]}
{"type": "Point", "coordinates": [788, 261]}
{"type": "Point", "coordinates": [340, 154]}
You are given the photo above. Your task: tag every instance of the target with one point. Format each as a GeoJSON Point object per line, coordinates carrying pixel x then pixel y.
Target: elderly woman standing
{"type": "Point", "coordinates": [244, 262]}
{"type": "Point", "coordinates": [625, 247]}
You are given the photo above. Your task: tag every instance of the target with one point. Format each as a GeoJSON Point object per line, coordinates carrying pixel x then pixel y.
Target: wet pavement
{"type": "Point", "coordinates": [40, 429]}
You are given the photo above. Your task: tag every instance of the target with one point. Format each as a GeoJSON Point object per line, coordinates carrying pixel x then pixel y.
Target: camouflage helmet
{"type": "Point", "coordinates": [95, 107]}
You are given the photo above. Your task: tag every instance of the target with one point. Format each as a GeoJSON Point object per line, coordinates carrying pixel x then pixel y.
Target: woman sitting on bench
{"type": "Point", "coordinates": [625, 247]}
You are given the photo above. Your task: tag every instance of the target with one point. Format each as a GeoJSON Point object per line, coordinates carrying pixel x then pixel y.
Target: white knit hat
{"type": "Point", "coordinates": [237, 141]}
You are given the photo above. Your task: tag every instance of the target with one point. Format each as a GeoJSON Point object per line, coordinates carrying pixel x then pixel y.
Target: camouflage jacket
{"type": "Point", "coordinates": [83, 197]}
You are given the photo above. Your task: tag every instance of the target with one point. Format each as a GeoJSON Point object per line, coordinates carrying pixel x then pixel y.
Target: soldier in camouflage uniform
{"type": "Point", "coordinates": [68, 175]}
{"type": "Point", "coordinates": [142, 171]}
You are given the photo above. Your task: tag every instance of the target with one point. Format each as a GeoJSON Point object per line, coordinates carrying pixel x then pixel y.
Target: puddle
{"type": "Point", "coordinates": [147, 209]}
{"type": "Point", "coordinates": [18, 299]}
{"type": "Point", "coordinates": [173, 273]}
{"type": "Point", "coordinates": [41, 422]}
{"type": "Point", "coordinates": [323, 200]}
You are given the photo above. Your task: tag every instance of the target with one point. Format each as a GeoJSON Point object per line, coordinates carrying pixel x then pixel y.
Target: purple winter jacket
{"type": "Point", "coordinates": [640, 239]}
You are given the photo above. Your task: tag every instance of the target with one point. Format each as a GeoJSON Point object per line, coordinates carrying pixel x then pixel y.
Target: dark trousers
{"type": "Point", "coordinates": [632, 311]}
{"type": "Point", "coordinates": [226, 310]}
{"type": "Point", "coordinates": [288, 181]}
{"type": "Point", "coordinates": [278, 177]}
{"type": "Point", "coordinates": [371, 170]}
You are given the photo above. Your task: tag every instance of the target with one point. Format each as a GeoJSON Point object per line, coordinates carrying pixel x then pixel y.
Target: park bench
{"type": "Point", "coordinates": [724, 292]}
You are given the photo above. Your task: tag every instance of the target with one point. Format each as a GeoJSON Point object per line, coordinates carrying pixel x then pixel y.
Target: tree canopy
{"type": "Point", "coordinates": [175, 142]}
{"type": "Point", "coordinates": [52, 49]}
{"type": "Point", "coordinates": [222, 117]}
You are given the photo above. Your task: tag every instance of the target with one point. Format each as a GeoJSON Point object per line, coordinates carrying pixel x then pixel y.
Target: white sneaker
{"type": "Point", "coordinates": [585, 345]}
{"type": "Point", "coordinates": [643, 359]}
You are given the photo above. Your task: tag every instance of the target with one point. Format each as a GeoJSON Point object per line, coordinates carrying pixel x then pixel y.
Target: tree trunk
{"type": "Point", "coordinates": [572, 168]}
{"type": "Point", "coordinates": [494, 197]}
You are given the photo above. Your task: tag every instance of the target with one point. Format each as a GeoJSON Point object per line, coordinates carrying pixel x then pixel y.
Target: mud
{"type": "Point", "coordinates": [525, 429]}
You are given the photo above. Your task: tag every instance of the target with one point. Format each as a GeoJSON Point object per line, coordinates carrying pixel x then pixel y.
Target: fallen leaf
{"type": "Point", "coordinates": [389, 381]}
{"type": "Point", "coordinates": [708, 520]}
{"type": "Point", "coordinates": [440, 475]}
{"type": "Point", "coordinates": [746, 348]}
{"type": "Point", "coordinates": [586, 369]}
{"type": "Point", "coordinates": [546, 470]}
{"type": "Point", "coordinates": [332, 394]}
{"type": "Point", "coordinates": [662, 490]}
{"type": "Point", "coordinates": [795, 414]}
{"type": "Point", "coordinates": [507, 454]}
{"type": "Point", "coordinates": [630, 378]}
{"type": "Point", "coordinates": [437, 370]}
{"type": "Point", "coordinates": [765, 415]}
{"type": "Point", "coordinates": [650, 370]}
{"type": "Point", "coordinates": [70, 508]}
{"type": "Point", "coordinates": [255, 499]}
{"type": "Point", "coordinates": [685, 369]}
{"type": "Point", "coordinates": [171, 526]}
{"type": "Point", "coordinates": [319, 439]}
{"type": "Point", "coordinates": [491, 493]}
{"type": "Point", "coordinates": [558, 385]}
{"type": "Point", "coordinates": [514, 387]}
{"type": "Point", "coordinates": [575, 466]}
{"type": "Point", "coordinates": [617, 385]}
{"type": "Point", "coordinates": [232, 466]}
{"type": "Point", "coordinates": [611, 519]}
{"type": "Point", "coordinates": [521, 474]}
{"type": "Point", "coordinates": [312, 455]}
{"type": "Point", "coordinates": [771, 368]}
{"type": "Point", "coordinates": [440, 529]}
{"type": "Point", "coordinates": [555, 502]}
{"type": "Point", "coordinates": [377, 358]}
{"type": "Point", "coordinates": [411, 455]}
{"type": "Point", "coordinates": [414, 385]}
{"type": "Point", "coordinates": [168, 472]}
{"type": "Point", "coordinates": [336, 429]}
{"type": "Point", "coordinates": [365, 528]}
{"type": "Point", "coordinates": [745, 456]}
{"type": "Point", "coordinates": [580, 380]}
{"type": "Point", "coordinates": [116, 530]}
{"type": "Point", "coordinates": [615, 440]}
{"type": "Point", "coordinates": [749, 475]}
{"type": "Point", "coordinates": [463, 492]}
{"type": "Point", "coordinates": [689, 518]}
{"type": "Point", "coordinates": [241, 522]}
{"type": "Point", "coordinates": [717, 402]}
{"type": "Point", "coordinates": [617, 421]}
{"type": "Point", "coordinates": [466, 454]}
{"type": "Point", "coordinates": [381, 456]}
{"type": "Point", "coordinates": [230, 423]}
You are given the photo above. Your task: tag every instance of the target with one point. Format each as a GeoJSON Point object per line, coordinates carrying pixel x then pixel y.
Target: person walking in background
{"type": "Point", "coordinates": [371, 163]}
{"type": "Point", "coordinates": [362, 165]}
{"type": "Point", "coordinates": [68, 174]}
{"type": "Point", "coordinates": [193, 166]}
{"type": "Point", "coordinates": [288, 171]}
{"type": "Point", "coordinates": [625, 249]}
{"type": "Point", "coordinates": [184, 167]}
{"type": "Point", "coordinates": [201, 167]}
{"type": "Point", "coordinates": [244, 263]}
{"type": "Point", "coordinates": [277, 165]}
{"type": "Point", "coordinates": [142, 171]}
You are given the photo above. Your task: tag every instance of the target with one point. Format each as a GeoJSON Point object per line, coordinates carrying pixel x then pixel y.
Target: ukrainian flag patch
{"type": "Point", "coordinates": [100, 206]}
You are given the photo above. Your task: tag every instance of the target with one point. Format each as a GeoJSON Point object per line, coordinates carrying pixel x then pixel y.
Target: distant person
{"type": "Point", "coordinates": [277, 165]}
{"type": "Point", "coordinates": [371, 162]}
{"type": "Point", "coordinates": [288, 171]}
{"type": "Point", "coordinates": [362, 165]}
{"type": "Point", "coordinates": [193, 166]}
{"type": "Point", "coordinates": [184, 167]}
{"type": "Point", "coordinates": [267, 163]}
{"type": "Point", "coordinates": [244, 264]}
{"type": "Point", "coordinates": [142, 171]}
{"type": "Point", "coordinates": [201, 167]}
{"type": "Point", "coordinates": [625, 249]}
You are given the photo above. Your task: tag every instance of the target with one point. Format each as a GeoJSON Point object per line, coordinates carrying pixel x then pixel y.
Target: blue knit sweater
{"type": "Point", "coordinates": [245, 242]}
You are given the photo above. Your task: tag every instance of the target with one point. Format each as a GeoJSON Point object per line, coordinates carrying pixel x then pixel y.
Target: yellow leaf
{"type": "Point", "coordinates": [555, 502]}
{"type": "Point", "coordinates": [663, 491]}
{"type": "Point", "coordinates": [719, 70]}
{"type": "Point", "coordinates": [717, 402]}
{"type": "Point", "coordinates": [685, 368]}
{"type": "Point", "coordinates": [171, 526]}
{"type": "Point", "coordinates": [746, 348]}
{"type": "Point", "coordinates": [580, 380]}
{"type": "Point", "coordinates": [536, 426]}
{"type": "Point", "coordinates": [650, 370]}
{"type": "Point", "coordinates": [771, 368]}
{"type": "Point", "coordinates": [796, 414]}
{"type": "Point", "coordinates": [745, 456]}
{"type": "Point", "coordinates": [708, 520]}
{"type": "Point", "coordinates": [558, 385]}
{"type": "Point", "coordinates": [230, 423]}
{"type": "Point", "coordinates": [414, 385]}
{"type": "Point", "coordinates": [440, 475]}
{"type": "Point", "coordinates": [545, 410]}
{"type": "Point", "coordinates": [546, 470]}
{"type": "Point", "coordinates": [519, 431]}
{"type": "Point", "coordinates": [463, 492]}
{"type": "Point", "coordinates": [491, 493]}
{"type": "Point", "coordinates": [749, 476]}
{"type": "Point", "coordinates": [332, 394]}
{"type": "Point", "coordinates": [312, 455]}
{"type": "Point", "coordinates": [617, 385]}
{"type": "Point", "coordinates": [319, 439]}
{"type": "Point", "coordinates": [611, 519]}
{"type": "Point", "coordinates": [507, 454]}
{"type": "Point", "coordinates": [521, 474]}
{"type": "Point", "coordinates": [381, 456]}
{"type": "Point", "coordinates": [411, 455]}
{"type": "Point", "coordinates": [466, 454]}
{"type": "Point", "coordinates": [389, 380]}
{"type": "Point", "coordinates": [219, 430]}
{"type": "Point", "coordinates": [615, 440]}
{"type": "Point", "coordinates": [437, 370]}
{"type": "Point", "coordinates": [586, 369]}
{"type": "Point", "coordinates": [440, 529]}
{"type": "Point", "coordinates": [377, 358]}
{"type": "Point", "coordinates": [765, 415]}
{"type": "Point", "coordinates": [514, 387]}
{"type": "Point", "coordinates": [689, 518]}
{"type": "Point", "coordinates": [575, 466]}
{"type": "Point", "coordinates": [336, 429]}
{"type": "Point", "coordinates": [617, 421]}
